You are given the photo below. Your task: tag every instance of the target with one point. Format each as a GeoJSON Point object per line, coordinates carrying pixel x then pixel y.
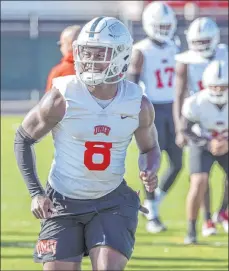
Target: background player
{"type": "Point", "coordinates": [153, 67]}
{"type": "Point", "coordinates": [207, 111]}
{"type": "Point", "coordinates": [87, 206]}
{"type": "Point", "coordinates": [203, 38]}
{"type": "Point", "coordinates": [66, 66]}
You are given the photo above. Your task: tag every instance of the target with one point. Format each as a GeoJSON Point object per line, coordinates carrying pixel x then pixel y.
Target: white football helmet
{"type": "Point", "coordinates": [103, 32]}
{"type": "Point", "coordinates": [203, 36]}
{"type": "Point", "coordinates": [159, 21]}
{"type": "Point", "coordinates": [216, 75]}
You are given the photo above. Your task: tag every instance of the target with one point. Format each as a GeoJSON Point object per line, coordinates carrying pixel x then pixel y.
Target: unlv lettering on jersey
{"type": "Point", "coordinates": [102, 129]}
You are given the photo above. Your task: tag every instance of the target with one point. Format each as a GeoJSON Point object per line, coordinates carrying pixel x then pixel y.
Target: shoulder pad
{"type": "Point", "coordinates": [62, 82]}
{"type": "Point", "coordinates": [190, 57]}
{"type": "Point", "coordinates": [222, 52]}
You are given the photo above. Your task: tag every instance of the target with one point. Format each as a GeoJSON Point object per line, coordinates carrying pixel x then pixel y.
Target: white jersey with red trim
{"type": "Point", "coordinates": [157, 77]}
{"type": "Point", "coordinates": [197, 65]}
{"type": "Point", "coordinates": [211, 119]}
{"type": "Point", "coordinates": [91, 142]}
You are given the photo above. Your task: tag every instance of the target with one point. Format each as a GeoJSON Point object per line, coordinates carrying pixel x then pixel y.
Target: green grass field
{"type": "Point", "coordinates": [164, 251]}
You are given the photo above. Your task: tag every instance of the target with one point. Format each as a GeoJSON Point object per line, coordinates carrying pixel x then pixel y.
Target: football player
{"type": "Point", "coordinates": [203, 37]}
{"type": "Point", "coordinates": [205, 124]}
{"type": "Point", "coordinates": [87, 208]}
{"type": "Point", "coordinates": [153, 68]}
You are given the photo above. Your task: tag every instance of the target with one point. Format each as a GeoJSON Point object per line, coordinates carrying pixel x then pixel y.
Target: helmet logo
{"type": "Point", "coordinates": [116, 30]}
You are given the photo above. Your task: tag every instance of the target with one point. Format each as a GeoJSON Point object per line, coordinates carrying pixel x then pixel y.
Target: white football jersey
{"type": "Point", "coordinates": [197, 65]}
{"type": "Point", "coordinates": [91, 142]}
{"type": "Point", "coordinates": [211, 119]}
{"type": "Point", "coordinates": [157, 77]}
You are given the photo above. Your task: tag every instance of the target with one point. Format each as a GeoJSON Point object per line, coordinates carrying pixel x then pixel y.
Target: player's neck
{"type": "Point", "coordinates": [104, 91]}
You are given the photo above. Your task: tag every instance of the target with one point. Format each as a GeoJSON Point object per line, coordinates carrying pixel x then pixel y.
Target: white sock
{"type": "Point", "coordinates": [159, 195]}
{"type": "Point", "coordinates": [155, 209]}
{"type": "Point", "coordinates": [152, 206]}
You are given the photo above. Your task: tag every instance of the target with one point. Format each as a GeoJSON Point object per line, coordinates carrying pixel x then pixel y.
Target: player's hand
{"type": "Point", "coordinates": [180, 140]}
{"type": "Point", "coordinates": [42, 207]}
{"type": "Point", "coordinates": [223, 146]}
{"type": "Point", "coordinates": [218, 146]}
{"type": "Point", "coordinates": [149, 179]}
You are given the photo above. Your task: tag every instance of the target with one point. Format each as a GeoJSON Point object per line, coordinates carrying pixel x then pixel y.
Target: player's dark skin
{"type": "Point", "coordinates": [43, 118]}
{"type": "Point", "coordinates": [49, 112]}
{"type": "Point", "coordinates": [37, 123]}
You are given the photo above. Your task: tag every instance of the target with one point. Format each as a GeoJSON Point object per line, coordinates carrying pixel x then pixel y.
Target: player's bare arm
{"type": "Point", "coordinates": [180, 93]}
{"type": "Point", "coordinates": [135, 67]}
{"type": "Point", "coordinates": [147, 141]}
{"type": "Point", "coordinates": [45, 115]}
{"type": "Point", "coordinates": [37, 123]}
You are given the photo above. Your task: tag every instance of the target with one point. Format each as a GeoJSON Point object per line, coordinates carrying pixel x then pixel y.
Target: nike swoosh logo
{"type": "Point", "coordinates": [124, 117]}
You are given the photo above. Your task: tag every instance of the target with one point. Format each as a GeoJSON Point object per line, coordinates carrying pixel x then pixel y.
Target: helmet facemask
{"type": "Point", "coordinates": [215, 80]}
{"type": "Point", "coordinates": [218, 97]}
{"type": "Point", "coordinates": [162, 32]}
{"type": "Point", "coordinates": [203, 47]}
{"type": "Point", "coordinates": [108, 67]}
{"type": "Point", "coordinates": [159, 22]}
{"type": "Point", "coordinates": [203, 36]}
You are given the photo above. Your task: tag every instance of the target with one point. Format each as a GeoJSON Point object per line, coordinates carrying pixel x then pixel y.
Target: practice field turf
{"type": "Point", "coordinates": [164, 251]}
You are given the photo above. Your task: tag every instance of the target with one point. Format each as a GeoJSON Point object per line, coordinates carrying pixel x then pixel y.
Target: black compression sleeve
{"type": "Point", "coordinates": [25, 156]}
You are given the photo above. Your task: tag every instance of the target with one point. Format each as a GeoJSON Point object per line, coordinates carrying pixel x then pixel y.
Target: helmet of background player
{"type": "Point", "coordinates": [159, 21]}
{"type": "Point", "coordinates": [114, 42]}
{"type": "Point", "coordinates": [203, 35]}
{"type": "Point", "coordinates": [215, 80]}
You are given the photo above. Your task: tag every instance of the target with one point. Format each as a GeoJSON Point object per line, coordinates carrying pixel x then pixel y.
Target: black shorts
{"type": "Point", "coordinates": [201, 161]}
{"type": "Point", "coordinates": [83, 224]}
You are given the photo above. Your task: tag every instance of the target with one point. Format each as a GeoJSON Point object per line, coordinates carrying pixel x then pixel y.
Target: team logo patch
{"type": "Point", "coordinates": [102, 129]}
{"type": "Point", "coordinates": [45, 247]}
